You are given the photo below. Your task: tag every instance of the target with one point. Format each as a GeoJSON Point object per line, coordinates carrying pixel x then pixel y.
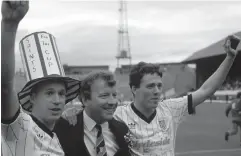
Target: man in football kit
{"type": "Point", "coordinates": [30, 134]}
{"type": "Point", "coordinates": [235, 109]}
{"type": "Point", "coordinates": [153, 121]}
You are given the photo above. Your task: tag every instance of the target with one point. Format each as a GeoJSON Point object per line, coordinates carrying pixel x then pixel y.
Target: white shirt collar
{"type": "Point", "coordinates": [90, 123]}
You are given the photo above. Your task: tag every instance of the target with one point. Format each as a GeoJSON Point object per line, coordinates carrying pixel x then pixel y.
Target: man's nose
{"type": "Point", "coordinates": [157, 90]}
{"type": "Point", "coordinates": [112, 101]}
{"type": "Point", "coordinates": [57, 99]}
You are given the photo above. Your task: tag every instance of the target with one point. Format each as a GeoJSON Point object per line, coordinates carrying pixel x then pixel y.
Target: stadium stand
{"type": "Point", "coordinates": [207, 61]}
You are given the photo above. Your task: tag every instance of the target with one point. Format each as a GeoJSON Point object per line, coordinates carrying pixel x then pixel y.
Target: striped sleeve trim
{"type": "Point", "coordinates": [191, 109]}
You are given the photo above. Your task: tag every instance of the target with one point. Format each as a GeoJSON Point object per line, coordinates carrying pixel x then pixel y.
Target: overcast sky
{"type": "Point", "coordinates": [86, 31]}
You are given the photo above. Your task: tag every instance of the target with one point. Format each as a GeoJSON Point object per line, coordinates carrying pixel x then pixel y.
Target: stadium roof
{"type": "Point", "coordinates": [90, 66]}
{"type": "Point", "coordinates": [214, 49]}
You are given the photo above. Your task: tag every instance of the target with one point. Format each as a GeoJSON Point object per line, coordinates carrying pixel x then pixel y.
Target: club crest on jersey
{"type": "Point", "coordinates": [131, 125]}
{"type": "Point", "coordinates": [39, 134]}
{"type": "Point", "coordinates": [163, 123]}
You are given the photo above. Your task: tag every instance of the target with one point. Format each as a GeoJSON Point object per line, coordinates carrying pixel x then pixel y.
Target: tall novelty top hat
{"type": "Point", "coordinates": [41, 62]}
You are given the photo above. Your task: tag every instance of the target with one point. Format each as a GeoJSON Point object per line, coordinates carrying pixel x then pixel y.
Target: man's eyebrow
{"type": "Point", "coordinates": [150, 84]}
{"type": "Point", "coordinates": [155, 83]}
{"type": "Point", "coordinates": [103, 93]}
{"type": "Point", "coordinates": [54, 89]}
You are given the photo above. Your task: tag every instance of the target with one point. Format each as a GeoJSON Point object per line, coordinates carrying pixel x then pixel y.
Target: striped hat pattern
{"type": "Point", "coordinates": [41, 62]}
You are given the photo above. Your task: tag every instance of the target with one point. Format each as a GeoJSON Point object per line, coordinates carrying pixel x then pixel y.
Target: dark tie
{"type": "Point", "coordinates": [100, 142]}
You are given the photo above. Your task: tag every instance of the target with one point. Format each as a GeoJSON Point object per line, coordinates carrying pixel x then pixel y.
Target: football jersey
{"type": "Point", "coordinates": [157, 136]}
{"type": "Point", "coordinates": [236, 111]}
{"type": "Point", "coordinates": [23, 137]}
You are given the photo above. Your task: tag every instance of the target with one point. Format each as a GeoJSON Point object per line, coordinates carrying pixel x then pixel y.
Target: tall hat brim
{"type": "Point", "coordinates": [72, 89]}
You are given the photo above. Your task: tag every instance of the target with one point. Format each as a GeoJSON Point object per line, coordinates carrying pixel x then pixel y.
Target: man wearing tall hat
{"type": "Point", "coordinates": [27, 129]}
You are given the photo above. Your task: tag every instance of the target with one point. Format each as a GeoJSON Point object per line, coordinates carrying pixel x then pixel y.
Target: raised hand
{"type": "Point", "coordinates": [227, 45]}
{"type": "Point", "coordinates": [14, 11]}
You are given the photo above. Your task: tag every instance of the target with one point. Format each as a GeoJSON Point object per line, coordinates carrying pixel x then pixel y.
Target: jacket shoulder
{"type": "Point", "coordinates": [61, 125]}
{"type": "Point", "coordinates": [120, 125]}
{"type": "Point", "coordinates": [120, 130]}
{"type": "Point", "coordinates": [70, 137]}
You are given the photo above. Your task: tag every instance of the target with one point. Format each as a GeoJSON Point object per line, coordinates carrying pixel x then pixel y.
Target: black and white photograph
{"type": "Point", "coordinates": [120, 78]}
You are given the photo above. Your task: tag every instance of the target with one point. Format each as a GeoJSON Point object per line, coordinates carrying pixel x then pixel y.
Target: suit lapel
{"type": "Point", "coordinates": [80, 146]}
{"type": "Point", "coordinates": [118, 132]}
{"type": "Point", "coordinates": [115, 127]}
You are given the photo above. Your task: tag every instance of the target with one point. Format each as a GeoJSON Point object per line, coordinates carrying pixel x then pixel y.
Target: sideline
{"type": "Point", "coordinates": [209, 151]}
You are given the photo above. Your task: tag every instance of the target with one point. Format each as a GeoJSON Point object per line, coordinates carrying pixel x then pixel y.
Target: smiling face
{"type": "Point", "coordinates": [103, 101]}
{"type": "Point", "coordinates": [148, 94]}
{"type": "Point", "coordinates": [48, 100]}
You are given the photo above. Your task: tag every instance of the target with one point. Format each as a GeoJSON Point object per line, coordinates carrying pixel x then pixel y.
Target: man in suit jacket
{"type": "Point", "coordinates": [96, 133]}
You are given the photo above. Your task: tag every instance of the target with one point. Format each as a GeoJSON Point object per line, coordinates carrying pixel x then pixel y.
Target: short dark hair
{"type": "Point", "coordinates": [239, 95]}
{"type": "Point", "coordinates": [85, 87]}
{"type": "Point", "coordinates": [141, 69]}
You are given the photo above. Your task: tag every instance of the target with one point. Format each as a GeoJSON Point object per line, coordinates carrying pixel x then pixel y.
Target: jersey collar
{"type": "Point", "coordinates": [42, 126]}
{"type": "Point", "coordinates": [143, 117]}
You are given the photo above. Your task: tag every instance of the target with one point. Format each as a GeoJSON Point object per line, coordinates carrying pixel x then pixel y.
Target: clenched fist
{"type": "Point", "coordinates": [14, 11]}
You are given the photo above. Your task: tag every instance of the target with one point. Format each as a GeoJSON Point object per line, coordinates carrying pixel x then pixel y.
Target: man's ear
{"type": "Point", "coordinates": [82, 100]}
{"type": "Point", "coordinates": [32, 97]}
{"type": "Point", "coordinates": [133, 90]}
